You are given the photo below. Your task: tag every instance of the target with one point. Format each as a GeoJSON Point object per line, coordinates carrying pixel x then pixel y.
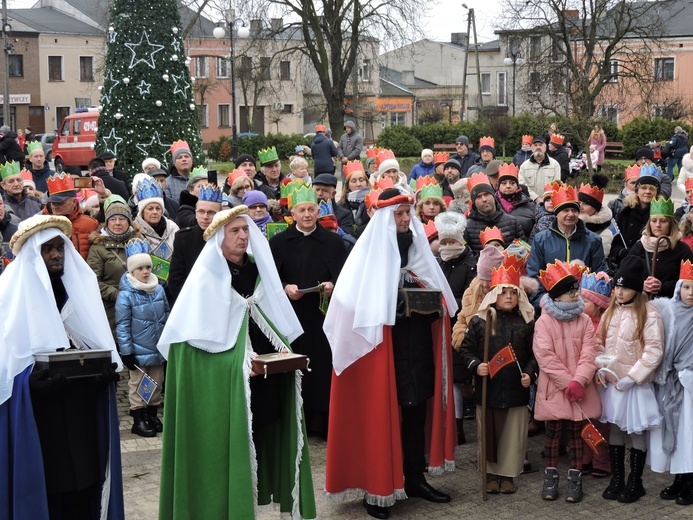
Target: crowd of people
{"type": "Point", "coordinates": [466, 288]}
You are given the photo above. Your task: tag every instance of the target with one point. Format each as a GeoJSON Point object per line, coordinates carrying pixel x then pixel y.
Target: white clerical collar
{"type": "Point", "coordinates": [306, 233]}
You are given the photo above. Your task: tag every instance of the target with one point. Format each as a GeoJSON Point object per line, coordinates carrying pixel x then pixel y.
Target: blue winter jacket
{"type": "Point", "coordinates": [421, 170]}
{"type": "Point", "coordinates": [140, 320]}
{"type": "Point", "coordinates": [323, 150]}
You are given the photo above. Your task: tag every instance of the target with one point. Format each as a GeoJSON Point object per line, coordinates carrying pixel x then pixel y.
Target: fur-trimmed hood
{"type": "Point", "coordinates": [97, 238]}
{"type": "Point", "coordinates": [600, 217]}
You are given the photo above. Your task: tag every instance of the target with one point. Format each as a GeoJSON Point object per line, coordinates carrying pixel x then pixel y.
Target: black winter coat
{"type": "Point", "coordinates": [476, 223]}
{"type": "Point", "coordinates": [459, 272]}
{"type": "Point", "coordinates": [466, 162]}
{"type": "Point", "coordinates": [323, 150]}
{"type": "Point", "coordinates": [668, 265]}
{"type": "Point", "coordinates": [345, 218]}
{"type": "Point", "coordinates": [524, 212]}
{"type": "Point", "coordinates": [116, 186]}
{"type": "Point", "coordinates": [562, 158]}
{"type": "Point", "coordinates": [10, 149]}
{"type": "Point", "coordinates": [187, 246]}
{"type": "Point", "coordinates": [505, 390]}
{"type": "Point", "coordinates": [185, 214]}
{"type": "Point", "coordinates": [631, 222]}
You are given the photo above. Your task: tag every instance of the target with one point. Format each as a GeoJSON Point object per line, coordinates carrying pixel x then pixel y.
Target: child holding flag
{"type": "Point", "coordinates": [511, 370]}
{"type": "Point", "coordinates": [565, 346]}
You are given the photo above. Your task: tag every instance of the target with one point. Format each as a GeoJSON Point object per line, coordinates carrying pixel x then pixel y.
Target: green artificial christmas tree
{"type": "Point", "coordinates": [146, 99]}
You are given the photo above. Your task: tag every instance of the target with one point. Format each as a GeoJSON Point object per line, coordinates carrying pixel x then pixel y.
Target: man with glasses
{"type": "Point", "coordinates": [463, 155]}
{"type": "Point", "coordinates": [189, 242]}
{"type": "Point", "coordinates": [645, 155]}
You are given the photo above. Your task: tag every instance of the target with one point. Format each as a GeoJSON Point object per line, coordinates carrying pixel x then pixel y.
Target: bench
{"type": "Point", "coordinates": [444, 148]}
{"type": "Point", "coordinates": [613, 148]}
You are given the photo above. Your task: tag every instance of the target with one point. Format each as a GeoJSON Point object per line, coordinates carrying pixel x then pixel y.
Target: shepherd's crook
{"type": "Point", "coordinates": [490, 331]}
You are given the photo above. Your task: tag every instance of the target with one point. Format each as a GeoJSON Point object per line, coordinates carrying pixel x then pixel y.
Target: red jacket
{"type": "Point", "coordinates": [82, 225]}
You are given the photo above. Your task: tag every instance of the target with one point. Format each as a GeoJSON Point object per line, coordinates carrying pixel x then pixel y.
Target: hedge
{"type": "Point", "coordinates": [285, 143]}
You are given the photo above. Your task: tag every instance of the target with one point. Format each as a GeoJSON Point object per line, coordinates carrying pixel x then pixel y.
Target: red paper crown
{"type": "Point", "coordinates": [558, 139]}
{"type": "Point", "coordinates": [60, 182]}
{"type": "Point", "coordinates": [550, 187]}
{"type": "Point", "coordinates": [383, 184]}
{"type": "Point", "coordinates": [564, 195]}
{"type": "Point", "coordinates": [431, 230]}
{"type": "Point", "coordinates": [353, 166]}
{"type": "Point", "coordinates": [426, 180]}
{"type": "Point", "coordinates": [26, 175]}
{"type": "Point", "coordinates": [235, 175]}
{"type": "Point", "coordinates": [508, 170]}
{"type": "Point", "coordinates": [371, 153]}
{"type": "Point", "coordinates": [487, 141]}
{"type": "Point", "coordinates": [689, 183]}
{"type": "Point", "coordinates": [372, 198]}
{"type": "Point", "coordinates": [527, 139]}
{"type": "Point", "coordinates": [515, 262]}
{"type": "Point", "coordinates": [399, 199]}
{"type": "Point", "coordinates": [503, 275]}
{"type": "Point", "coordinates": [384, 155]}
{"type": "Point", "coordinates": [491, 233]}
{"type": "Point", "coordinates": [557, 271]}
{"type": "Point", "coordinates": [328, 222]}
{"type": "Point", "coordinates": [179, 144]}
{"type": "Point", "coordinates": [476, 179]}
{"type": "Point", "coordinates": [632, 172]}
{"type": "Point", "coordinates": [320, 128]}
{"type": "Point", "coordinates": [686, 272]}
{"type": "Point", "coordinates": [440, 157]}
{"type": "Point", "coordinates": [593, 191]}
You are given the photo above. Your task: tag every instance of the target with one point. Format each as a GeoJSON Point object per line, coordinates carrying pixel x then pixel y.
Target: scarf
{"type": "Point", "coordinates": [123, 237]}
{"type": "Point", "coordinates": [404, 241]}
{"type": "Point", "coordinates": [648, 244]}
{"type": "Point", "coordinates": [149, 286]}
{"type": "Point", "coordinates": [160, 227]}
{"type": "Point", "coordinates": [262, 222]}
{"type": "Point", "coordinates": [562, 311]}
{"type": "Point", "coordinates": [509, 202]}
{"type": "Point", "coordinates": [450, 251]}
{"type": "Point", "coordinates": [357, 197]}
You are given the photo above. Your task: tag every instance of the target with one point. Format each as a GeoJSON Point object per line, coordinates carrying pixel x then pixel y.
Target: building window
{"type": "Point", "coordinates": [665, 111]}
{"type": "Point", "coordinates": [55, 68]}
{"type": "Point", "coordinates": [86, 68]}
{"type": "Point", "coordinates": [16, 62]}
{"type": "Point", "coordinates": [534, 82]}
{"type": "Point", "coordinates": [82, 102]}
{"type": "Point", "coordinates": [203, 114]}
{"type": "Point", "coordinates": [609, 112]}
{"type": "Point", "coordinates": [285, 70]}
{"type": "Point", "coordinates": [664, 69]}
{"type": "Point", "coordinates": [502, 89]}
{"type": "Point", "coordinates": [613, 72]}
{"type": "Point", "coordinates": [245, 67]}
{"type": "Point", "coordinates": [365, 71]}
{"type": "Point", "coordinates": [398, 118]}
{"type": "Point", "coordinates": [265, 73]}
{"type": "Point", "coordinates": [224, 115]}
{"type": "Point", "coordinates": [486, 83]}
{"type": "Point", "coordinates": [288, 109]}
{"type": "Point", "coordinates": [201, 67]}
{"type": "Point", "coordinates": [556, 83]}
{"type": "Point", "coordinates": [556, 51]}
{"type": "Point", "coordinates": [222, 68]}
{"type": "Point", "coordinates": [535, 48]}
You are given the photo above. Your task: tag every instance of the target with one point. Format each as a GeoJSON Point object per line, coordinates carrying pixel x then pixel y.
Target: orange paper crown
{"type": "Point", "coordinates": [557, 271]}
{"type": "Point", "coordinates": [503, 275]}
{"type": "Point", "coordinates": [508, 170]}
{"type": "Point", "coordinates": [476, 179]}
{"type": "Point", "coordinates": [686, 272]}
{"type": "Point", "coordinates": [26, 175]}
{"type": "Point", "coordinates": [426, 180]}
{"type": "Point", "coordinates": [515, 262]}
{"type": "Point", "coordinates": [491, 233]}
{"type": "Point", "coordinates": [59, 183]}
{"type": "Point", "coordinates": [399, 199]}
{"type": "Point", "coordinates": [440, 157]}
{"type": "Point", "coordinates": [383, 184]}
{"type": "Point", "coordinates": [593, 191]}
{"type": "Point", "coordinates": [487, 141]}
{"type": "Point", "coordinates": [431, 230]}
{"type": "Point", "coordinates": [384, 155]}
{"type": "Point", "coordinates": [527, 139]}
{"type": "Point", "coordinates": [235, 175]}
{"type": "Point", "coordinates": [564, 195]}
{"type": "Point", "coordinates": [558, 139]}
{"type": "Point", "coordinates": [320, 128]}
{"type": "Point", "coordinates": [550, 187]}
{"type": "Point", "coordinates": [371, 153]}
{"type": "Point", "coordinates": [689, 183]}
{"type": "Point", "coordinates": [353, 166]}
{"type": "Point", "coordinates": [372, 198]}
{"type": "Point", "coordinates": [632, 172]}
{"type": "Point", "coordinates": [179, 144]}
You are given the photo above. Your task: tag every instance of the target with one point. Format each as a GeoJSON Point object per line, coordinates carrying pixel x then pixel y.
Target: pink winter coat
{"type": "Point", "coordinates": [565, 352]}
{"type": "Point", "coordinates": [600, 141]}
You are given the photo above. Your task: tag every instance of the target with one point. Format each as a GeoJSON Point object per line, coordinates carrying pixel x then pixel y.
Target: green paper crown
{"type": "Point", "coordinates": [431, 190]}
{"type": "Point", "coordinates": [33, 145]}
{"type": "Point", "coordinates": [268, 155]}
{"type": "Point", "coordinates": [200, 171]}
{"type": "Point", "coordinates": [9, 169]}
{"type": "Point", "coordinates": [111, 199]}
{"type": "Point", "coordinates": [662, 207]}
{"type": "Point", "coordinates": [301, 194]}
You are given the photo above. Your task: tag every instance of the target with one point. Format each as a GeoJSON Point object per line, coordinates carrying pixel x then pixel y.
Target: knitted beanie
{"type": "Point", "coordinates": [489, 259]}
{"type": "Point", "coordinates": [387, 165]}
{"type": "Point", "coordinates": [117, 206]}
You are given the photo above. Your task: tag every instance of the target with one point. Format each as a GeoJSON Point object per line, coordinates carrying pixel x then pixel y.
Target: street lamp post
{"type": "Point", "coordinates": [514, 59]}
{"type": "Point", "coordinates": [220, 33]}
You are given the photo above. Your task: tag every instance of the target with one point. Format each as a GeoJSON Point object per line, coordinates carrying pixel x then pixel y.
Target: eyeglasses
{"type": "Point", "coordinates": [209, 213]}
{"type": "Point", "coordinates": [257, 206]}
{"type": "Point", "coordinates": [574, 290]}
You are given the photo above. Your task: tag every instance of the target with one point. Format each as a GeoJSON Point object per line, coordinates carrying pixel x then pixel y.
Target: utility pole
{"type": "Point", "coordinates": [478, 69]}
{"type": "Point", "coordinates": [6, 116]}
{"type": "Point", "coordinates": [464, 70]}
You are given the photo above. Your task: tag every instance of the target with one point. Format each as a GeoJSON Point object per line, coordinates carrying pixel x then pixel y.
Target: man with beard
{"type": "Point", "coordinates": [539, 170]}
{"type": "Point", "coordinates": [325, 186]}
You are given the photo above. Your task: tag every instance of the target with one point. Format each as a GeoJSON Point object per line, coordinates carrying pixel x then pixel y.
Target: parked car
{"type": "Point", "coordinates": [47, 144]}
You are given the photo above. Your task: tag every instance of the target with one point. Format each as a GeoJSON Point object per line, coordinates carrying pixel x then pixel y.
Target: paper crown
{"type": "Point", "coordinates": [383, 184]}
{"type": "Point", "coordinates": [300, 193]}
{"type": "Point", "coordinates": [371, 199]}
{"type": "Point", "coordinates": [440, 157]}
{"type": "Point", "coordinates": [60, 182]}
{"type": "Point", "coordinates": [476, 179]}
{"type": "Point", "coordinates": [632, 172]}
{"type": "Point", "coordinates": [424, 182]}
{"type": "Point", "coordinates": [599, 283]}
{"type": "Point", "coordinates": [10, 169]}
{"type": "Point", "coordinates": [113, 199]}
{"type": "Point", "coordinates": [565, 194]}
{"type": "Point", "coordinates": [505, 275]}
{"type": "Point", "coordinates": [209, 193]}
{"type": "Point", "coordinates": [557, 271]}
{"type": "Point", "coordinates": [689, 183]}
{"type": "Point", "coordinates": [371, 153]}
{"type": "Point", "coordinates": [662, 207]}
{"type": "Point", "coordinates": [234, 176]}
{"type": "Point", "coordinates": [328, 222]}
{"type": "Point", "coordinates": [198, 172]}
{"type": "Point", "coordinates": [527, 139]}
{"type": "Point", "coordinates": [268, 155]}
{"type": "Point", "coordinates": [650, 171]}
{"type": "Point", "coordinates": [352, 167]}
{"type": "Point", "coordinates": [514, 261]}
{"type": "Point", "coordinates": [491, 233]}
{"type": "Point", "coordinates": [136, 246]}
{"type": "Point", "coordinates": [558, 139]}
{"type": "Point", "coordinates": [402, 198]}
{"type": "Point", "coordinates": [487, 141]}
{"type": "Point", "coordinates": [179, 145]}
{"type": "Point", "coordinates": [26, 175]}
{"type": "Point", "coordinates": [550, 187]}
{"type": "Point", "coordinates": [431, 230]}
{"type": "Point", "coordinates": [686, 272]}
{"type": "Point", "coordinates": [286, 186]}
{"type": "Point", "coordinates": [384, 155]}
{"type": "Point", "coordinates": [320, 128]}
{"type": "Point", "coordinates": [148, 188]}
{"type": "Point", "coordinates": [508, 170]}
{"type": "Point", "coordinates": [592, 191]}
{"type": "Point", "coordinates": [33, 145]}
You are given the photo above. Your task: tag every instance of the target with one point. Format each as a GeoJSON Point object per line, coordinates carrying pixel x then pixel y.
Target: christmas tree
{"type": "Point", "coordinates": [146, 98]}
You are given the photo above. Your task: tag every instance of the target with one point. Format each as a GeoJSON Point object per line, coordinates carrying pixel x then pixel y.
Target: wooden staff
{"type": "Point", "coordinates": [654, 258]}
{"type": "Point", "coordinates": [490, 331]}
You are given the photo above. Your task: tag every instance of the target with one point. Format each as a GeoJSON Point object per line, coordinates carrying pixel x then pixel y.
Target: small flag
{"type": "Point", "coordinates": [614, 230]}
{"type": "Point", "coordinates": [592, 437]}
{"type": "Point", "coordinates": [503, 357]}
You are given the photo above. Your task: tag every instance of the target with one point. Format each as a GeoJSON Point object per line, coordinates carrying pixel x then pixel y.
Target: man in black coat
{"type": "Point", "coordinates": [97, 168]}
{"type": "Point", "coordinates": [109, 159]}
{"type": "Point", "coordinates": [325, 186]}
{"type": "Point", "coordinates": [307, 256]}
{"type": "Point", "coordinates": [9, 147]}
{"type": "Point", "coordinates": [463, 155]}
{"type": "Point", "coordinates": [189, 242]}
{"type": "Point", "coordinates": [559, 153]}
{"type": "Point", "coordinates": [323, 150]}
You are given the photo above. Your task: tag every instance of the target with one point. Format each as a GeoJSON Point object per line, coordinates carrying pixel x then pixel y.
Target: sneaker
{"type": "Point", "coordinates": [550, 489]}
{"type": "Point", "coordinates": [573, 492]}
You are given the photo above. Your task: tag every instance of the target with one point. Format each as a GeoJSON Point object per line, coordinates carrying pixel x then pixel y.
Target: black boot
{"type": "Point", "coordinates": [672, 492]}
{"type": "Point", "coordinates": [634, 489]}
{"type": "Point", "coordinates": [152, 420]}
{"type": "Point", "coordinates": [140, 426]}
{"type": "Point", "coordinates": [617, 456]}
{"type": "Point", "coordinates": [461, 439]}
{"type": "Point", "coordinates": [685, 497]}
{"type": "Point", "coordinates": [376, 511]}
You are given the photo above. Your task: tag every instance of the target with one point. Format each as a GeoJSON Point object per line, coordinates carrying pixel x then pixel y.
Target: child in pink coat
{"type": "Point", "coordinates": [565, 347]}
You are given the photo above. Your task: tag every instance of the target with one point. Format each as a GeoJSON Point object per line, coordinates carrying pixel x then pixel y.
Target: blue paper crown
{"type": "Point", "coordinates": [148, 188]}
{"type": "Point", "coordinates": [210, 193]}
{"type": "Point", "coordinates": [599, 283]}
{"type": "Point", "coordinates": [650, 170]}
{"type": "Point", "coordinates": [136, 246]}
{"type": "Point", "coordinates": [325, 208]}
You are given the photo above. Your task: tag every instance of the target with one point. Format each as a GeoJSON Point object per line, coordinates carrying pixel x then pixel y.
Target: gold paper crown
{"type": "Point", "coordinates": [440, 157]}
{"type": "Point", "coordinates": [491, 233]}
{"type": "Point", "coordinates": [508, 170]}
{"type": "Point", "coordinates": [557, 271]}
{"type": "Point", "coordinates": [558, 139]}
{"type": "Point", "coordinates": [505, 275]}
{"type": "Point", "coordinates": [593, 191]}
{"type": "Point", "coordinates": [487, 141]}
{"type": "Point", "coordinates": [686, 272]}
{"type": "Point", "coordinates": [632, 172]}
{"type": "Point", "coordinates": [353, 166]}
{"type": "Point", "coordinates": [384, 155]}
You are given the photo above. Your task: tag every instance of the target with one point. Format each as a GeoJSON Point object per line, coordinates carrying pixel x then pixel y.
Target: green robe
{"type": "Point", "coordinates": [209, 466]}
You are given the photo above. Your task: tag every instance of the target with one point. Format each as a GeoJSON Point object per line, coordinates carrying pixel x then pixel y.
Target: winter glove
{"type": "Point", "coordinates": [40, 382]}
{"type": "Point", "coordinates": [129, 361]}
{"type": "Point", "coordinates": [108, 375]}
{"type": "Point", "coordinates": [574, 392]}
{"type": "Point", "coordinates": [624, 383]}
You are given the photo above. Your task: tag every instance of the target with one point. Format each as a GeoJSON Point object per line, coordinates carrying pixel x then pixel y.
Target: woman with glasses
{"type": "Point", "coordinates": [240, 185]}
{"type": "Point", "coordinates": [257, 209]}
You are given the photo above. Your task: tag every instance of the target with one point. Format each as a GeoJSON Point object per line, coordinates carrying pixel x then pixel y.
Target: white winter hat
{"type": "Point", "coordinates": [386, 165]}
{"type": "Point", "coordinates": [149, 161]}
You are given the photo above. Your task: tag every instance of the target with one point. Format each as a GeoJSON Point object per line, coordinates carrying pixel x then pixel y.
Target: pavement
{"type": "Point", "coordinates": [142, 465]}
